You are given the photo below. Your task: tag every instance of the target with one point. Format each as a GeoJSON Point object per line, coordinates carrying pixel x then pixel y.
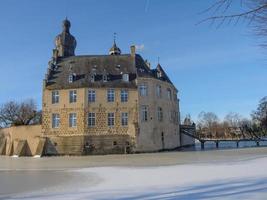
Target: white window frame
{"type": "Point", "coordinates": [111, 119]}
{"type": "Point", "coordinates": [105, 78]}
{"type": "Point", "coordinates": [71, 78]}
{"type": "Point", "coordinates": [91, 96]}
{"type": "Point", "coordinates": [55, 120]}
{"type": "Point", "coordinates": [125, 77]}
{"type": "Point", "coordinates": [73, 96]}
{"type": "Point", "coordinates": [124, 119]}
{"type": "Point", "coordinates": [158, 91]}
{"type": "Point", "coordinates": [72, 120]}
{"type": "Point", "coordinates": [160, 114]}
{"type": "Point", "coordinates": [143, 89]}
{"type": "Point", "coordinates": [55, 96]}
{"type": "Point", "coordinates": [144, 113]}
{"type": "Point", "coordinates": [124, 95]}
{"type": "Point", "coordinates": [92, 78]}
{"type": "Point", "coordinates": [91, 119]}
{"type": "Point", "coordinates": [110, 95]}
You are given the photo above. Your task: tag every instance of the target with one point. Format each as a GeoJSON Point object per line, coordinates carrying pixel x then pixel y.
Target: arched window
{"type": "Point", "coordinates": [92, 78]}
{"type": "Point", "coordinates": [105, 78]}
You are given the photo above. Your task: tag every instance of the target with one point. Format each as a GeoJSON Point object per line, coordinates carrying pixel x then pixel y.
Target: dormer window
{"type": "Point", "coordinates": [70, 78]}
{"type": "Point", "coordinates": [118, 66]}
{"type": "Point", "coordinates": [92, 78]}
{"type": "Point", "coordinates": [105, 78]}
{"type": "Point", "coordinates": [159, 74]}
{"type": "Point", "coordinates": [125, 77]}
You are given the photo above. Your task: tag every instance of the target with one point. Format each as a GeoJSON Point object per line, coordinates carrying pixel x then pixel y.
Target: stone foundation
{"type": "Point", "coordinates": [88, 145]}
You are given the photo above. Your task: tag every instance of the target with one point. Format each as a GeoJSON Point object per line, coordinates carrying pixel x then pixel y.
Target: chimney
{"type": "Point", "coordinates": [133, 50]}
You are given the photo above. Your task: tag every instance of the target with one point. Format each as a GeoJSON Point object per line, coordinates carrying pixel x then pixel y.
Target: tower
{"type": "Point", "coordinates": [114, 50]}
{"type": "Point", "coordinates": [65, 43]}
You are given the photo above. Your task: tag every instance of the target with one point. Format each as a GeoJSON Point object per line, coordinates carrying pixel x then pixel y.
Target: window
{"type": "Point", "coordinates": [55, 120]}
{"type": "Point", "coordinates": [158, 90]}
{"type": "Point", "coordinates": [114, 143]}
{"type": "Point", "coordinates": [174, 96]}
{"type": "Point", "coordinates": [159, 74]}
{"type": "Point", "coordinates": [91, 119]}
{"type": "Point", "coordinates": [105, 78]}
{"type": "Point", "coordinates": [111, 119]}
{"type": "Point", "coordinates": [160, 114]}
{"type": "Point", "coordinates": [91, 95]}
{"type": "Point", "coordinates": [125, 77]}
{"type": "Point", "coordinates": [92, 78]}
{"type": "Point", "coordinates": [73, 96]}
{"type": "Point", "coordinates": [144, 113]}
{"type": "Point", "coordinates": [124, 119]}
{"type": "Point", "coordinates": [169, 94]}
{"type": "Point", "coordinates": [171, 116]}
{"type": "Point", "coordinates": [72, 120]}
{"type": "Point", "coordinates": [70, 78]}
{"type": "Point", "coordinates": [124, 95]}
{"type": "Point", "coordinates": [143, 90]}
{"type": "Point", "coordinates": [110, 95]}
{"type": "Point", "coordinates": [55, 97]}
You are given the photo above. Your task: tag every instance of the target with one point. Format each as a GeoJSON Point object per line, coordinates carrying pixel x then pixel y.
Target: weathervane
{"type": "Point", "coordinates": [114, 37]}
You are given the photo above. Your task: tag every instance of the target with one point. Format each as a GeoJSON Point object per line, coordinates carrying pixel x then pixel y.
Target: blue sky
{"type": "Point", "coordinates": [220, 70]}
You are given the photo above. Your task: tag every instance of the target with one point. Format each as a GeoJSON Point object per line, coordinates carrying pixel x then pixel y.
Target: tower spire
{"type": "Point", "coordinates": [114, 37]}
{"type": "Point", "coordinates": [65, 42]}
{"type": "Point", "coordinates": [114, 50]}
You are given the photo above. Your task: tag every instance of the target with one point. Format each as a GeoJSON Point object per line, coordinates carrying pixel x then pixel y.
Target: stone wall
{"type": "Point", "coordinates": [187, 140]}
{"type": "Point", "coordinates": [89, 145]}
{"type": "Point", "coordinates": [24, 139]}
{"type": "Point", "coordinates": [140, 136]}
{"type": "Point", "coordinates": [157, 135]}
{"type": "Point", "coordinates": [83, 134]}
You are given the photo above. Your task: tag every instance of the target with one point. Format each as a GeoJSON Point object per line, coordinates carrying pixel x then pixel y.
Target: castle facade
{"type": "Point", "coordinates": [100, 104]}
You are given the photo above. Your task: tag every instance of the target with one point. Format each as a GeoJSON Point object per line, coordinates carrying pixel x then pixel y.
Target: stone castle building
{"type": "Point", "coordinates": [111, 103]}
{"type": "Point", "coordinates": [100, 104]}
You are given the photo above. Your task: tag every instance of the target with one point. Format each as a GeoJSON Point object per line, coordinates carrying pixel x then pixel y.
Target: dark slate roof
{"type": "Point", "coordinates": [113, 66]}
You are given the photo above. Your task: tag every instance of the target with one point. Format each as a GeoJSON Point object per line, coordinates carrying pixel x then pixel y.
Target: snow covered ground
{"type": "Point", "coordinates": [241, 179]}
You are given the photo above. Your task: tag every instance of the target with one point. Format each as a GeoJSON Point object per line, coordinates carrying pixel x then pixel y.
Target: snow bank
{"type": "Point", "coordinates": [232, 180]}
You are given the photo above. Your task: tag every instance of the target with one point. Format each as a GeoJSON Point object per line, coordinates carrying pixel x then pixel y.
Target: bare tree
{"type": "Point", "coordinates": [233, 119]}
{"type": "Point", "coordinates": [15, 114]}
{"type": "Point", "coordinates": [207, 119]}
{"type": "Point", "coordinates": [208, 124]}
{"type": "Point", "coordinates": [260, 115]}
{"type": "Point", "coordinates": [254, 12]}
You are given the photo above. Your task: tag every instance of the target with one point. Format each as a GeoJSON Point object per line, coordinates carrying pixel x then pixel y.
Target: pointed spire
{"type": "Point", "coordinates": [66, 25]}
{"type": "Point", "coordinates": [114, 38]}
{"type": "Point", "coordinates": [114, 50]}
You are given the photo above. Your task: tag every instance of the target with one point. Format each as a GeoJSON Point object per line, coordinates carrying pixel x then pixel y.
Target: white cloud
{"type": "Point", "coordinates": [140, 47]}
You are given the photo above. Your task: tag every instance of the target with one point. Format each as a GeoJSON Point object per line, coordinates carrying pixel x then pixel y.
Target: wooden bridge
{"type": "Point", "coordinates": [192, 133]}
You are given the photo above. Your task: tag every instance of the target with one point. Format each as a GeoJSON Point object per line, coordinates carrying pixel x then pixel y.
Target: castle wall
{"type": "Point", "coordinates": [72, 140]}
{"type": "Point", "coordinates": [30, 134]}
{"type": "Point", "coordinates": [150, 137]}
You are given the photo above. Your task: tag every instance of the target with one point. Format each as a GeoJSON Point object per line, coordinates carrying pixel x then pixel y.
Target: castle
{"type": "Point", "coordinates": [101, 104]}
